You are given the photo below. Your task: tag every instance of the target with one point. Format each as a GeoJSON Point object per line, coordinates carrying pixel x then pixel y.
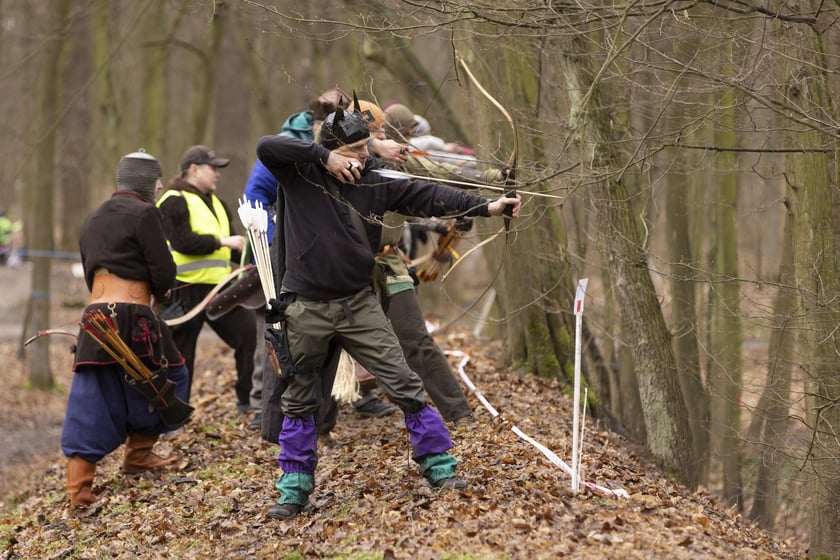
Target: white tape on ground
{"type": "Point", "coordinates": [549, 454]}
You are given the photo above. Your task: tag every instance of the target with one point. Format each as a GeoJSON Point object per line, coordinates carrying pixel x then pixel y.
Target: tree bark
{"type": "Point", "coordinates": [154, 63]}
{"type": "Point", "coordinates": [684, 322]}
{"type": "Point", "coordinates": [771, 415]}
{"type": "Point", "coordinates": [40, 208]}
{"type": "Point", "coordinates": [207, 81]}
{"type": "Point", "coordinates": [725, 331]}
{"type": "Point", "coordinates": [668, 432]}
{"type": "Point", "coordinates": [74, 137]}
{"type": "Point", "coordinates": [813, 194]}
{"type": "Point", "coordinates": [107, 119]}
{"type": "Point", "coordinates": [421, 91]}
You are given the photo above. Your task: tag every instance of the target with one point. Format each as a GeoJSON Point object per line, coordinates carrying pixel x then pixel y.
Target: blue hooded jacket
{"type": "Point", "coordinates": [261, 185]}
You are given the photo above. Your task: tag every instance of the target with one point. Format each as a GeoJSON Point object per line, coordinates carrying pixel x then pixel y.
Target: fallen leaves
{"type": "Point", "coordinates": [369, 499]}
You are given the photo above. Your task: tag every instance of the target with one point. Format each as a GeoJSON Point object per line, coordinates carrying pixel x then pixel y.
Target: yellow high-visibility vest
{"type": "Point", "coordinates": [211, 268]}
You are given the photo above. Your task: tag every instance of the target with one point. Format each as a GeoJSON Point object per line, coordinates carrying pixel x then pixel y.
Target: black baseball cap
{"type": "Point", "coordinates": [201, 155]}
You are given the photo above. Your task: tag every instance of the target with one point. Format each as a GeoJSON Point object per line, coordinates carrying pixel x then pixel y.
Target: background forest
{"type": "Point", "coordinates": [688, 149]}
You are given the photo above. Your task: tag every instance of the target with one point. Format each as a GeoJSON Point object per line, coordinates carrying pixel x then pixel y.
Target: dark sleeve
{"type": "Point", "coordinates": [424, 199]}
{"type": "Point", "coordinates": [278, 244]}
{"type": "Point", "coordinates": [176, 224]}
{"type": "Point", "coordinates": [156, 253]}
{"type": "Point", "coordinates": [279, 153]}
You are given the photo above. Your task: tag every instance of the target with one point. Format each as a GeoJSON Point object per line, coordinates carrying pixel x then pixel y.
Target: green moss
{"type": "Point", "coordinates": [565, 338]}
{"type": "Point", "coordinates": [544, 362]}
{"type": "Point", "coordinates": [7, 533]}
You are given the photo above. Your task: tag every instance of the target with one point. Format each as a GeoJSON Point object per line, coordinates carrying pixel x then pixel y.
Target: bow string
{"type": "Point", "coordinates": [510, 176]}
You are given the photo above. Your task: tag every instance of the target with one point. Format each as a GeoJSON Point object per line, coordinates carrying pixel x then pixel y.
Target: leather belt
{"type": "Point", "coordinates": [110, 288]}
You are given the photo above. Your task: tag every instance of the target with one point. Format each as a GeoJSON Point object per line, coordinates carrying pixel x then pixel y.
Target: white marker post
{"type": "Point", "coordinates": [576, 443]}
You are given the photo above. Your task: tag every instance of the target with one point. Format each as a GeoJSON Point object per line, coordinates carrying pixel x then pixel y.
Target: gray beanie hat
{"type": "Point", "coordinates": [400, 120]}
{"type": "Point", "coordinates": [139, 172]}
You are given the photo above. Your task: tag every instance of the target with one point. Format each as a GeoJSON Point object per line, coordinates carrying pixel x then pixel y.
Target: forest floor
{"type": "Point", "coordinates": [369, 501]}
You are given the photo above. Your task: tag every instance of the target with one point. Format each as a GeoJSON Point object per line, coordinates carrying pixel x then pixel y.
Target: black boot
{"type": "Point", "coordinates": [285, 511]}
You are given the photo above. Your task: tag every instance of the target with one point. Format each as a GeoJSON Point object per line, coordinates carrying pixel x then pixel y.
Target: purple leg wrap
{"type": "Point", "coordinates": [299, 442]}
{"type": "Point", "coordinates": [427, 432]}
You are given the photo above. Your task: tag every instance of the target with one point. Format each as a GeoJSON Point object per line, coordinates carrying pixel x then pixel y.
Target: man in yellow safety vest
{"type": "Point", "coordinates": [199, 229]}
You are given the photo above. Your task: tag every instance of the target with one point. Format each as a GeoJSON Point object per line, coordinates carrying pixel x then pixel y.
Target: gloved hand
{"type": "Point", "coordinates": [506, 174]}
{"type": "Point", "coordinates": [275, 311]}
{"type": "Point", "coordinates": [464, 223]}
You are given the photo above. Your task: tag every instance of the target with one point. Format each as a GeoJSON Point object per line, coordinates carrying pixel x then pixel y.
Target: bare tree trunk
{"type": "Point", "coordinates": [398, 57]}
{"type": "Point", "coordinates": [207, 84]}
{"type": "Point", "coordinates": [538, 320]}
{"type": "Point", "coordinates": [74, 153]}
{"type": "Point", "coordinates": [625, 400]}
{"type": "Point", "coordinates": [684, 322]}
{"type": "Point", "coordinates": [665, 416]}
{"type": "Point", "coordinates": [108, 119]}
{"type": "Point", "coordinates": [725, 330]}
{"type": "Point", "coordinates": [267, 116]}
{"type": "Point", "coordinates": [668, 432]}
{"type": "Point", "coordinates": [770, 419]}
{"type": "Point", "coordinates": [155, 64]}
{"type": "Point", "coordinates": [538, 324]}
{"type": "Point", "coordinates": [813, 196]}
{"type": "Point", "coordinates": [40, 209]}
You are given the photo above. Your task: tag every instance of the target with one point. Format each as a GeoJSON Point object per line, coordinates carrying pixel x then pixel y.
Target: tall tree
{"type": "Point", "coordinates": [107, 119]}
{"type": "Point", "coordinates": [398, 56]}
{"type": "Point", "coordinates": [769, 425]}
{"type": "Point", "coordinates": [155, 62]}
{"type": "Point", "coordinates": [724, 364]}
{"type": "Point", "coordinates": [39, 208]}
{"type": "Point", "coordinates": [74, 135]}
{"type": "Point", "coordinates": [668, 432]}
{"type": "Point", "coordinates": [684, 319]}
{"type": "Point", "coordinates": [812, 190]}
{"type": "Point", "coordinates": [206, 88]}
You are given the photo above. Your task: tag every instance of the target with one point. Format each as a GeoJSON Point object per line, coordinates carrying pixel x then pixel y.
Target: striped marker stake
{"type": "Point", "coordinates": [577, 443]}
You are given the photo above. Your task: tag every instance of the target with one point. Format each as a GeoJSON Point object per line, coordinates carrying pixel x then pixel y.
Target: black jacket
{"type": "Point", "coordinates": [326, 257]}
{"type": "Point", "coordinates": [125, 235]}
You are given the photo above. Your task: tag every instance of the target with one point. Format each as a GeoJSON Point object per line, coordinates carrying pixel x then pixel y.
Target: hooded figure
{"type": "Point", "coordinates": [400, 121]}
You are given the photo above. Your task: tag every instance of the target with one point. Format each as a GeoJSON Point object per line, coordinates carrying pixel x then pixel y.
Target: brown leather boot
{"type": "Point", "coordinates": [80, 475]}
{"type": "Point", "coordinates": [139, 456]}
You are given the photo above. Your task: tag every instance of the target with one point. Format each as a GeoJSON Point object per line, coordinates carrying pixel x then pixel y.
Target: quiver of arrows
{"type": "Point", "coordinates": [155, 386]}
{"type": "Point", "coordinates": [441, 256]}
{"type": "Point", "coordinates": [160, 391]}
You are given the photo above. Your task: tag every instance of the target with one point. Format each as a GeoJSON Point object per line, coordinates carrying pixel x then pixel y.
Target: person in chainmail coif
{"type": "Point", "coordinates": [126, 261]}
